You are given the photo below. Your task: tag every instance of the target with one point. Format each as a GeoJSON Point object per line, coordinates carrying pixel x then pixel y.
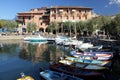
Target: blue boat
{"type": "Point", "coordinates": [53, 75]}
{"type": "Point", "coordinates": [38, 39]}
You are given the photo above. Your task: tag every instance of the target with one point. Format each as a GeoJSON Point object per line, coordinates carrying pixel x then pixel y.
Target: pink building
{"type": "Point", "coordinates": [43, 16]}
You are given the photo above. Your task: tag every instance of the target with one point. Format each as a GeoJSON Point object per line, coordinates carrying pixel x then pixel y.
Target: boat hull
{"type": "Point", "coordinates": [85, 74]}
{"type": "Point", "coordinates": [53, 75]}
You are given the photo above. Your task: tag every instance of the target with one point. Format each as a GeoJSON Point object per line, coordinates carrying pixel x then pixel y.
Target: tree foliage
{"type": "Point", "coordinates": [116, 22]}
{"type": "Point", "coordinates": [31, 27]}
{"type": "Point", "coordinates": [11, 25]}
{"type": "Point", "coordinates": [52, 26]}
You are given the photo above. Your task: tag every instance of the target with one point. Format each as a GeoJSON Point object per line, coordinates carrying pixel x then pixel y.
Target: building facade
{"type": "Point", "coordinates": [42, 17]}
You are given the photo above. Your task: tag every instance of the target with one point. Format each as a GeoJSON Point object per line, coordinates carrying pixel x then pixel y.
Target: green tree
{"type": "Point", "coordinates": [53, 26]}
{"type": "Point", "coordinates": [0, 25]}
{"type": "Point", "coordinates": [97, 23]}
{"type": "Point", "coordinates": [11, 25]}
{"type": "Point", "coordinates": [68, 26]}
{"type": "Point", "coordinates": [116, 21]}
{"type": "Point", "coordinates": [106, 20]}
{"type": "Point", "coordinates": [80, 27]}
{"type": "Point", "coordinates": [89, 25]}
{"type": "Point", "coordinates": [31, 27]}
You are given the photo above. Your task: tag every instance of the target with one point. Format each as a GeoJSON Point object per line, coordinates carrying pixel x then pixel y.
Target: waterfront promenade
{"type": "Point", "coordinates": [88, 39]}
{"type": "Point", "coordinates": [15, 37]}
{"type": "Point", "coordinates": [12, 37]}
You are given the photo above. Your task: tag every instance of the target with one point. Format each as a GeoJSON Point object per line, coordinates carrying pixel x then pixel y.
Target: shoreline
{"type": "Point", "coordinates": [12, 37]}
{"type": "Point", "coordinates": [21, 37]}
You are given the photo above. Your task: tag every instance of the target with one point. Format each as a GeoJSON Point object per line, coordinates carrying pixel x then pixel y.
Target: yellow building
{"type": "Point", "coordinates": [43, 16]}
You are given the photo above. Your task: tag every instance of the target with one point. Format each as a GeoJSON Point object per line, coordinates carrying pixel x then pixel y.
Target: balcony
{"type": "Point", "coordinates": [19, 20]}
{"type": "Point", "coordinates": [53, 14]}
{"type": "Point", "coordinates": [61, 10]}
{"type": "Point", "coordinates": [85, 14]}
{"type": "Point", "coordinates": [78, 14]}
{"type": "Point", "coordinates": [25, 15]}
{"type": "Point", "coordinates": [45, 20]}
{"type": "Point", "coordinates": [46, 15]}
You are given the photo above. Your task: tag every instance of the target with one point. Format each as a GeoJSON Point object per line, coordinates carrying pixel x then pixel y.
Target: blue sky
{"type": "Point", "coordinates": [10, 8]}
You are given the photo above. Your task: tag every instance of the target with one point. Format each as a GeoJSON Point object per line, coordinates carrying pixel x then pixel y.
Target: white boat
{"type": "Point", "coordinates": [72, 42]}
{"type": "Point", "coordinates": [61, 39]}
{"type": "Point", "coordinates": [88, 61]}
{"type": "Point", "coordinates": [26, 38]}
{"type": "Point", "coordinates": [85, 46]}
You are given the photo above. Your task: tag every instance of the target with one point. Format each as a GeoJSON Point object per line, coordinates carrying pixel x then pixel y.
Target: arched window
{"type": "Point", "coordinates": [24, 30]}
{"type": "Point", "coordinates": [41, 30]}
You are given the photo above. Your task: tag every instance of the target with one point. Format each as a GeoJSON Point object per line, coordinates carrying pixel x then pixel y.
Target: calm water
{"type": "Point", "coordinates": [17, 57]}
{"type": "Point", "coordinates": [26, 57]}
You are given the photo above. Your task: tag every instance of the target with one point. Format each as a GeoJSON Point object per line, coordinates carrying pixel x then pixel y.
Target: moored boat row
{"type": "Point", "coordinates": [70, 70]}
{"type": "Point", "coordinates": [83, 64]}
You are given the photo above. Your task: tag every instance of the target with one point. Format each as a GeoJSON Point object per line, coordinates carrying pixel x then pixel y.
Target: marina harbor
{"type": "Point", "coordinates": [44, 56]}
{"type": "Point", "coordinates": [60, 40]}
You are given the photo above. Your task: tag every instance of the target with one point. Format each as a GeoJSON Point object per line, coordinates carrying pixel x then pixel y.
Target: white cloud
{"type": "Point", "coordinates": [111, 2]}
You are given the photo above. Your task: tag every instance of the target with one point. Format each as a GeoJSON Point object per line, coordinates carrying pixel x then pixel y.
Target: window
{"type": "Point", "coordinates": [23, 18]}
{"type": "Point", "coordinates": [29, 17]}
{"type": "Point", "coordinates": [54, 17]}
{"type": "Point", "coordinates": [54, 11]}
{"type": "Point", "coordinates": [60, 17]}
{"type": "Point", "coordinates": [85, 17]}
{"type": "Point", "coordinates": [79, 10]}
{"type": "Point", "coordinates": [40, 18]}
{"type": "Point", "coordinates": [67, 17]}
{"type": "Point", "coordinates": [41, 23]}
{"type": "Point", "coordinates": [73, 17]}
{"type": "Point", "coordinates": [79, 17]}
{"type": "Point", "coordinates": [86, 11]}
{"type": "Point", "coordinates": [67, 10]}
{"type": "Point", "coordinates": [60, 13]}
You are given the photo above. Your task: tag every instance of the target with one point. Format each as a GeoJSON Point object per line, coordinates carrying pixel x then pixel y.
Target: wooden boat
{"type": "Point", "coordinates": [90, 67]}
{"type": "Point", "coordinates": [96, 56]}
{"type": "Point", "coordinates": [93, 55]}
{"type": "Point", "coordinates": [96, 62]}
{"type": "Point", "coordinates": [53, 75]}
{"type": "Point", "coordinates": [99, 48]}
{"type": "Point", "coordinates": [85, 74]}
{"type": "Point", "coordinates": [83, 65]}
{"type": "Point", "coordinates": [24, 77]}
{"type": "Point", "coordinates": [68, 62]}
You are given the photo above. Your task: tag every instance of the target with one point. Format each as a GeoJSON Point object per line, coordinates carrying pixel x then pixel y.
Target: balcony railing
{"type": "Point", "coordinates": [45, 20]}
{"type": "Point", "coordinates": [19, 20]}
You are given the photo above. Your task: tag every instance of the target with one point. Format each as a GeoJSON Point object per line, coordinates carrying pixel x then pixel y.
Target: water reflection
{"type": "Point", "coordinates": [29, 57]}
{"type": "Point", "coordinates": [17, 57]}
{"type": "Point", "coordinates": [34, 52]}
{"type": "Point", "coordinates": [41, 52]}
